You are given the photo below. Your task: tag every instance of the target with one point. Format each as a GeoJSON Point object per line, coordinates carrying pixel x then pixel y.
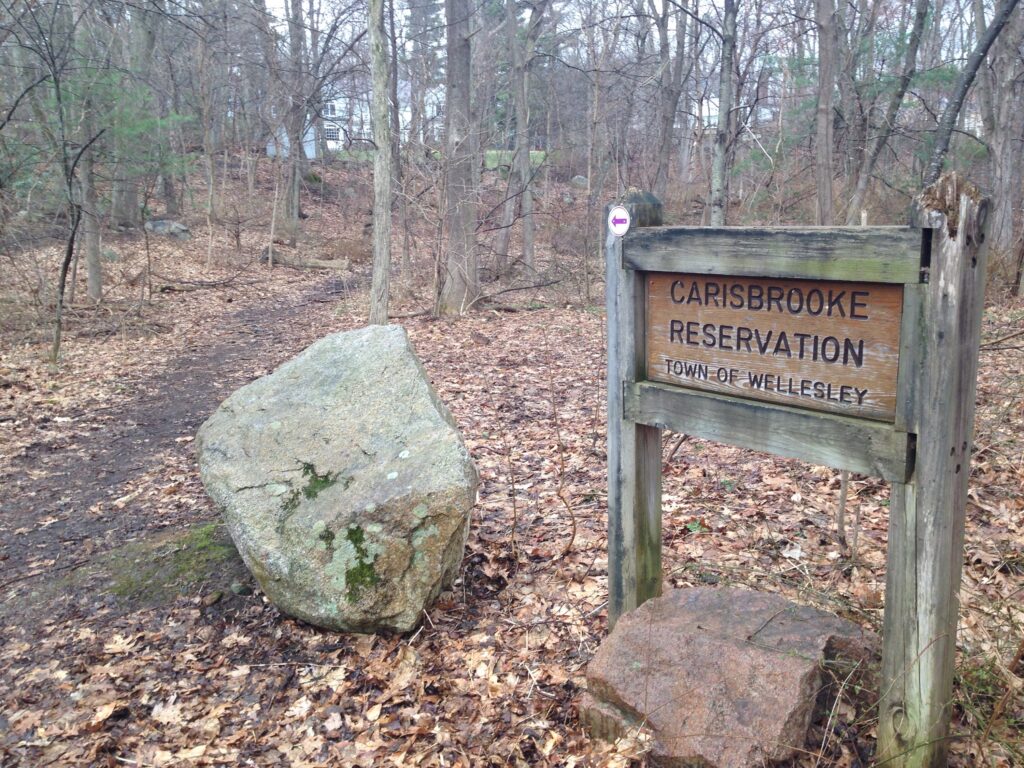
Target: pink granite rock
{"type": "Point", "coordinates": [722, 678]}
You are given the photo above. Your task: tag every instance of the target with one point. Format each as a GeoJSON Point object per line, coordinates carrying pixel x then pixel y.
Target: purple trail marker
{"type": "Point", "coordinates": [618, 220]}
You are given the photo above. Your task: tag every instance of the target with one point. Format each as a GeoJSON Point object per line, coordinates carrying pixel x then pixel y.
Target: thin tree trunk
{"type": "Point", "coordinates": [503, 236]}
{"type": "Point", "coordinates": [69, 251]}
{"type": "Point", "coordinates": [888, 123]}
{"type": "Point", "coordinates": [670, 92]}
{"type": "Point", "coordinates": [986, 79]}
{"type": "Point", "coordinates": [719, 169]}
{"type": "Point", "coordinates": [398, 171]}
{"type": "Point", "coordinates": [825, 16]}
{"type": "Point", "coordinates": [382, 162]}
{"type": "Point", "coordinates": [87, 210]}
{"type": "Point", "coordinates": [396, 126]}
{"type": "Point", "coordinates": [522, 56]}
{"type": "Point", "coordinates": [521, 173]}
{"type": "Point", "coordinates": [91, 224]}
{"type": "Point", "coordinates": [296, 122]}
{"type": "Point", "coordinates": [461, 283]}
{"type": "Point", "coordinates": [944, 130]}
{"type": "Point", "coordinates": [125, 207]}
{"type": "Point", "coordinates": [1001, 98]}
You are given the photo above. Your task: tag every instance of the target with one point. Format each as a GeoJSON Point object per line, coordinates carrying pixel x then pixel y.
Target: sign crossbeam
{"type": "Point", "coordinates": [841, 442]}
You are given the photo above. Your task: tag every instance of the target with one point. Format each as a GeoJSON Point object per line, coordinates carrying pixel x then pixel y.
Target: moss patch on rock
{"type": "Point", "coordinates": [361, 575]}
{"type": "Point", "coordinates": [315, 484]}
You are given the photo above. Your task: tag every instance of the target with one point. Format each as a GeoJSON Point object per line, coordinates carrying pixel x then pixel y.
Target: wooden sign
{"type": "Point", "coordinates": [872, 333]}
{"type": "Point", "coordinates": [827, 346]}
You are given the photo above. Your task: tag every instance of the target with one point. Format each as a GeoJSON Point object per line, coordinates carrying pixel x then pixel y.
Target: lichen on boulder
{"type": "Point", "coordinates": [344, 483]}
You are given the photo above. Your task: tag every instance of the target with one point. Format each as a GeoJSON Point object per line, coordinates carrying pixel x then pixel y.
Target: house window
{"type": "Point", "coordinates": [332, 132]}
{"type": "Point", "coordinates": [329, 109]}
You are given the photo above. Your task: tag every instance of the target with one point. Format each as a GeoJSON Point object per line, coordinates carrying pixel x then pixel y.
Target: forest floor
{"type": "Point", "coordinates": [132, 634]}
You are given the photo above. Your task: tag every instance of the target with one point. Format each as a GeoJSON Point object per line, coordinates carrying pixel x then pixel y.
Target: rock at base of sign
{"type": "Point", "coordinates": [344, 482]}
{"type": "Point", "coordinates": [722, 678]}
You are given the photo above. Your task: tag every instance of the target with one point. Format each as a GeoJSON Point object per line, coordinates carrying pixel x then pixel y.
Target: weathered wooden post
{"type": "Point", "coordinates": [926, 514]}
{"type": "Point", "coordinates": [634, 450]}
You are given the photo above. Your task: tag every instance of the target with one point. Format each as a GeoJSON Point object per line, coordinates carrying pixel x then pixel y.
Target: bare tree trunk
{"type": "Point", "coordinates": [1003, 121]}
{"type": "Point", "coordinates": [90, 221]}
{"type": "Point", "coordinates": [944, 130]}
{"type": "Point", "coordinates": [205, 64]}
{"type": "Point", "coordinates": [671, 89]}
{"type": "Point", "coordinates": [503, 236]}
{"type": "Point", "coordinates": [885, 130]}
{"type": "Point", "coordinates": [521, 154]}
{"type": "Point", "coordinates": [521, 65]}
{"type": "Point", "coordinates": [986, 77]}
{"type": "Point", "coordinates": [87, 210]}
{"type": "Point", "coordinates": [125, 209]}
{"type": "Point", "coordinates": [521, 174]}
{"type": "Point", "coordinates": [382, 163]}
{"type": "Point", "coordinates": [719, 169]}
{"type": "Point", "coordinates": [396, 126]}
{"type": "Point", "coordinates": [825, 12]}
{"type": "Point", "coordinates": [461, 281]}
{"type": "Point", "coordinates": [296, 122]}
{"type": "Point", "coordinates": [397, 170]}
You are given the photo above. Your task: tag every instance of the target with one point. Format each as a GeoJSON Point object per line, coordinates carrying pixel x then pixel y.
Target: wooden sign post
{"type": "Point", "coordinates": [854, 347]}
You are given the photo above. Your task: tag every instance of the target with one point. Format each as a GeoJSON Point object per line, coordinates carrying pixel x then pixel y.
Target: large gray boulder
{"type": "Point", "coordinates": [721, 678]}
{"type": "Point", "coordinates": [344, 482]}
{"type": "Point", "coordinates": [168, 228]}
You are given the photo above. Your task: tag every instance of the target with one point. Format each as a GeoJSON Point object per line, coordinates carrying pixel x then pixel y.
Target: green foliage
{"type": "Point", "coordinates": [939, 78]}
{"type": "Point", "coordinates": [982, 692]}
{"type": "Point", "coordinates": [135, 142]}
{"type": "Point", "coordinates": [697, 526]}
{"type": "Point", "coordinates": [493, 158]}
{"type": "Point", "coordinates": [353, 155]}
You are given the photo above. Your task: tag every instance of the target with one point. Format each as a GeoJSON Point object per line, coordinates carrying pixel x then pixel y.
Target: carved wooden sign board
{"type": "Point", "coordinates": [852, 347]}
{"type": "Point", "coordinates": [827, 346]}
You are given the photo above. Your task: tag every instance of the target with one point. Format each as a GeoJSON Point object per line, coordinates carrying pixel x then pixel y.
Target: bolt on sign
{"type": "Point", "coordinates": [852, 347]}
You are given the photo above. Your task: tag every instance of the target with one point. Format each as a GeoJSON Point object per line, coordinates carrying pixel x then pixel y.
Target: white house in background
{"type": "Point", "coordinates": [333, 135]}
{"type": "Point", "coordinates": [336, 113]}
{"type": "Point", "coordinates": [281, 144]}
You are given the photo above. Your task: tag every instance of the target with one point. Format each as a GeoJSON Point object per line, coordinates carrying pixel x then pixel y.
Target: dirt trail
{"type": "Point", "coordinates": [45, 519]}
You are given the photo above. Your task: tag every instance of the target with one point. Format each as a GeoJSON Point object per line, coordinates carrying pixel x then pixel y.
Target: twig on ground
{"type": "Point", "coordinates": [561, 460]}
{"type": "Point", "coordinates": [207, 283]}
{"type": "Point", "coordinates": [675, 449]}
{"type": "Point", "coordinates": [515, 507]}
{"type": "Point", "coordinates": [1014, 335]}
{"type": "Point", "coordinates": [405, 315]}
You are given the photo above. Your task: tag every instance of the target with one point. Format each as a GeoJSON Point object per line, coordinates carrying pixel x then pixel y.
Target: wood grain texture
{"type": "Point", "coordinates": [870, 448]}
{"type": "Point", "coordinates": [866, 254]}
{"type": "Point", "coordinates": [926, 532]}
{"type": "Point", "coordinates": [634, 451]}
{"type": "Point", "coordinates": [823, 345]}
{"type": "Point", "coordinates": [912, 331]}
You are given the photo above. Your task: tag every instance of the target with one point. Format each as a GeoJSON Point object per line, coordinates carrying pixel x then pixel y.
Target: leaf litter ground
{"type": "Point", "coordinates": [131, 635]}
